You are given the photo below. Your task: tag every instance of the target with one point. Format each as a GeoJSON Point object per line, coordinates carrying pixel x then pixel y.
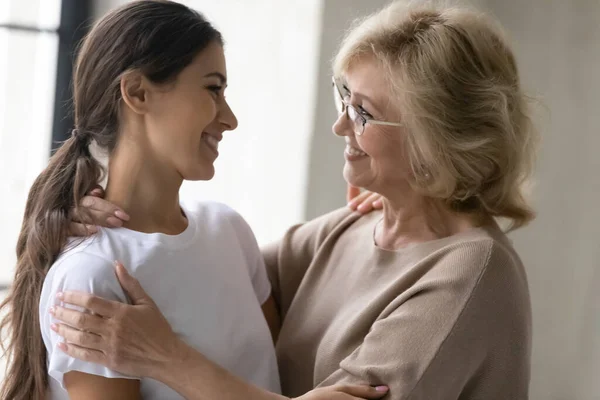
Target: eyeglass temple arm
{"type": "Point", "coordinates": [371, 121]}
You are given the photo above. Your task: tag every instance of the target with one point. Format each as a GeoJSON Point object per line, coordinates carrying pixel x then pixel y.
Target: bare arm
{"type": "Point", "coordinates": [196, 378]}
{"type": "Point", "coordinates": [82, 386]}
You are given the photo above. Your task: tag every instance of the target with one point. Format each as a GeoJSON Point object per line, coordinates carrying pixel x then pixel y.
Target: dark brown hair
{"type": "Point", "coordinates": [159, 38]}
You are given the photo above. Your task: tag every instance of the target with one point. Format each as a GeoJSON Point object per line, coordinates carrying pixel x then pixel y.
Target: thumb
{"type": "Point", "coordinates": [352, 192]}
{"type": "Point", "coordinates": [132, 286]}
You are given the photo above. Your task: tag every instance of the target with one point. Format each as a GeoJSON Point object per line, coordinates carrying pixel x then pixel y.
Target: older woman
{"type": "Point", "coordinates": [427, 296]}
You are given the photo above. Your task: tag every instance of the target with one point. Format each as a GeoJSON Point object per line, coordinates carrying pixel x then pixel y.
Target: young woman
{"type": "Point", "coordinates": [148, 89]}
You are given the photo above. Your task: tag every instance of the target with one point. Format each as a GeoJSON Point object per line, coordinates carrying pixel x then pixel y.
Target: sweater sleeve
{"type": "Point", "coordinates": [456, 332]}
{"type": "Point", "coordinates": [288, 259]}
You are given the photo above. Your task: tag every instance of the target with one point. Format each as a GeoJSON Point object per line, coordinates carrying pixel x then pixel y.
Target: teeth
{"type": "Point", "coordinates": [212, 141]}
{"type": "Point", "coordinates": [353, 151]}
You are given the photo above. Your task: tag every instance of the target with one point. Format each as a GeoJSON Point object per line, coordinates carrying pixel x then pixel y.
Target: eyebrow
{"type": "Point", "coordinates": [218, 75]}
{"type": "Point", "coordinates": [363, 97]}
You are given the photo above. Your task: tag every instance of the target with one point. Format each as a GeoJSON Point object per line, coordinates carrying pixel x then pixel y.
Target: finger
{"type": "Point", "coordinates": [97, 192]}
{"type": "Point", "coordinates": [80, 338]}
{"type": "Point", "coordinates": [363, 391]}
{"type": "Point", "coordinates": [378, 204]}
{"type": "Point", "coordinates": [83, 230]}
{"type": "Point", "coordinates": [367, 204]}
{"type": "Point", "coordinates": [97, 305]}
{"type": "Point", "coordinates": [102, 218]}
{"type": "Point", "coordinates": [81, 353]}
{"type": "Point", "coordinates": [352, 192]}
{"type": "Point", "coordinates": [79, 320]}
{"type": "Point", "coordinates": [103, 206]}
{"type": "Point", "coordinates": [355, 202]}
{"type": "Point", "coordinates": [132, 286]}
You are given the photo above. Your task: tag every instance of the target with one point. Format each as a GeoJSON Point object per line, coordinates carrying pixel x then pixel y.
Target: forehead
{"type": "Point", "coordinates": [211, 59]}
{"type": "Point", "coordinates": [366, 77]}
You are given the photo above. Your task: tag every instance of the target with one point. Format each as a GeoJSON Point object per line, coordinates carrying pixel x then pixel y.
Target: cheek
{"type": "Point", "coordinates": [387, 153]}
{"type": "Point", "coordinates": [191, 110]}
{"type": "Point", "coordinates": [199, 110]}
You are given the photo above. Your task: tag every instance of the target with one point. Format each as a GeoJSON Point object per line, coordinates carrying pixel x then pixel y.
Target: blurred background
{"type": "Point", "coordinates": [283, 165]}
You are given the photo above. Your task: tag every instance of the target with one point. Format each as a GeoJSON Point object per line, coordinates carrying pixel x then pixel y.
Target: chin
{"type": "Point", "coordinates": [353, 179]}
{"type": "Point", "coordinates": [204, 174]}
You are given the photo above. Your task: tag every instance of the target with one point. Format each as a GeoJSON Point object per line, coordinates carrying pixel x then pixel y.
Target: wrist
{"type": "Point", "coordinates": [173, 363]}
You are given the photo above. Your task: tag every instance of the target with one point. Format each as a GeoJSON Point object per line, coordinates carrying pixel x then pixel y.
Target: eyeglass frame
{"type": "Point", "coordinates": [346, 106]}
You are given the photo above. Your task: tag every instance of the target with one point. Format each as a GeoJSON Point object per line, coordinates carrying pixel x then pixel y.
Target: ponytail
{"type": "Point", "coordinates": [71, 173]}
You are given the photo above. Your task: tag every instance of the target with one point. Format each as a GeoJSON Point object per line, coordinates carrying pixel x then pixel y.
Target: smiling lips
{"type": "Point", "coordinates": [212, 142]}
{"type": "Point", "coordinates": [354, 153]}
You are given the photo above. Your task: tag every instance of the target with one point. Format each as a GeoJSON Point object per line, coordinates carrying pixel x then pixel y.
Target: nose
{"type": "Point", "coordinates": [227, 118]}
{"type": "Point", "coordinates": [341, 127]}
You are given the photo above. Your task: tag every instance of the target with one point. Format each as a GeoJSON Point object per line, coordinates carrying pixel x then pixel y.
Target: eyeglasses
{"type": "Point", "coordinates": [358, 121]}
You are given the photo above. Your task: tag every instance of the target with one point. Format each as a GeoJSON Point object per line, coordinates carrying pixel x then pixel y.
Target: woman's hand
{"type": "Point", "coordinates": [101, 213]}
{"type": "Point", "coordinates": [363, 202]}
{"type": "Point", "coordinates": [345, 392]}
{"type": "Point", "coordinates": [133, 339]}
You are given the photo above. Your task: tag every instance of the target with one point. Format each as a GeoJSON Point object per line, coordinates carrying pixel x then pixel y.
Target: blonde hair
{"type": "Point", "coordinates": [470, 139]}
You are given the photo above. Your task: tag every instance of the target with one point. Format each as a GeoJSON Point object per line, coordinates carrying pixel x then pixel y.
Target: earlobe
{"type": "Point", "coordinates": [133, 92]}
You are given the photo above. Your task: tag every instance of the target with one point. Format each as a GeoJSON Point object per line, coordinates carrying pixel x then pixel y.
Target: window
{"type": "Point", "coordinates": [28, 59]}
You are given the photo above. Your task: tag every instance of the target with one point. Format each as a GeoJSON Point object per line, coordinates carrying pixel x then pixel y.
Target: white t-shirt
{"type": "Point", "coordinates": [209, 282]}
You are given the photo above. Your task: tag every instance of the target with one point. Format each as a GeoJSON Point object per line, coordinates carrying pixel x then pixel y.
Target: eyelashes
{"type": "Point", "coordinates": [364, 113]}
{"type": "Point", "coordinates": [216, 89]}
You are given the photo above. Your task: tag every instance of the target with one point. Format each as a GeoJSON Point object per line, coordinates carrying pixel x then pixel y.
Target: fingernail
{"type": "Point", "coordinates": [115, 222]}
{"type": "Point", "coordinates": [96, 192]}
{"type": "Point", "coordinates": [92, 228]}
{"type": "Point", "coordinates": [381, 388]}
{"type": "Point", "coordinates": [62, 346]}
{"type": "Point", "coordinates": [122, 215]}
{"type": "Point", "coordinates": [51, 310]}
{"type": "Point", "coordinates": [54, 327]}
{"type": "Point", "coordinates": [60, 296]}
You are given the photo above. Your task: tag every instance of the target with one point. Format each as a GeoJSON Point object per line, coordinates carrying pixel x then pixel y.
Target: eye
{"type": "Point", "coordinates": [216, 89]}
{"type": "Point", "coordinates": [364, 113]}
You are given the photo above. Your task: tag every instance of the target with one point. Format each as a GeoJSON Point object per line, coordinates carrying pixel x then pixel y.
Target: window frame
{"type": "Point", "coordinates": [75, 21]}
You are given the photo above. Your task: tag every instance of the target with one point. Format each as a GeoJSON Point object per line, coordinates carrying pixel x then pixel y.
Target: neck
{"type": "Point", "coordinates": [410, 218]}
{"type": "Point", "coordinates": [144, 189]}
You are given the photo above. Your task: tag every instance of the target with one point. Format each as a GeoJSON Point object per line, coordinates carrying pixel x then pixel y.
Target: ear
{"type": "Point", "coordinates": [134, 92]}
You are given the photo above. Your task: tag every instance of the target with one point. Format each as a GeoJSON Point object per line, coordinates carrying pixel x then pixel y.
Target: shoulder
{"type": "Point", "coordinates": [340, 217]}
{"type": "Point", "coordinates": [331, 224]}
{"type": "Point", "coordinates": [487, 273]}
{"type": "Point", "coordinates": [81, 269]}
{"type": "Point", "coordinates": [220, 217]}
{"type": "Point", "coordinates": [473, 253]}
{"type": "Point", "coordinates": [211, 211]}
{"type": "Point", "coordinates": [82, 262]}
